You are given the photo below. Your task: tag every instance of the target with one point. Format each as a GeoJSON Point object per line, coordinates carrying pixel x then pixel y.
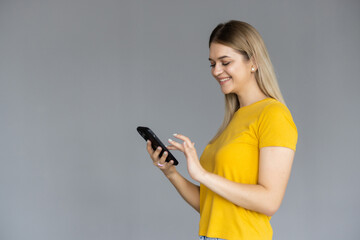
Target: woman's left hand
{"type": "Point", "coordinates": [187, 147]}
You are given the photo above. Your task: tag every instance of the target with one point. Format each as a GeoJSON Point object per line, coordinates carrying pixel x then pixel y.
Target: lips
{"type": "Point", "coordinates": [224, 80]}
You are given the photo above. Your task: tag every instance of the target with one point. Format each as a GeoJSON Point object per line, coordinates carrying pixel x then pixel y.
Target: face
{"type": "Point", "coordinates": [232, 71]}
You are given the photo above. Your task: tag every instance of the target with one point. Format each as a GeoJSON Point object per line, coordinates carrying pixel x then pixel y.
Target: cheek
{"type": "Point", "coordinates": [236, 71]}
{"type": "Point", "coordinates": [232, 70]}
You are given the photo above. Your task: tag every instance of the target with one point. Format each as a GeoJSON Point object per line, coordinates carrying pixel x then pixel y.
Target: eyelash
{"type": "Point", "coordinates": [224, 64]}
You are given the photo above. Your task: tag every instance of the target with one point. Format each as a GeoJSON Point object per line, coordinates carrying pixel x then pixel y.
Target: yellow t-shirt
{"type": "Point", "coordinates": [235, 155]}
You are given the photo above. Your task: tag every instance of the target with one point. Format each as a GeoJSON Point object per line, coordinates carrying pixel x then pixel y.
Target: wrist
{"type": "Point", "coordinates": [171, 175]}
{"type": "Point", "coordinates": [201, 178]}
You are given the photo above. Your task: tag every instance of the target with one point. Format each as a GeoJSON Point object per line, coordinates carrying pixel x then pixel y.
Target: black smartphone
{"type": "Point", "coordinates": [147, 134]}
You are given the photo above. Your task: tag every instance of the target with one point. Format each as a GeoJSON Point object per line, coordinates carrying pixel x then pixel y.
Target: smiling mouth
{"type": "Point", "coordinates": [224, 80]}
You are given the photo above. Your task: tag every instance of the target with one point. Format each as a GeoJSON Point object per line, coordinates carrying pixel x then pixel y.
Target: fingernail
{"type": "Point", "coordinates": [170, 140]}
{"type": "Point", "coordinates": [159, 148]}
{"type": "Point", "coordinates": [165, 153]}
{"type": "Point", "coordinates": [175, 134]}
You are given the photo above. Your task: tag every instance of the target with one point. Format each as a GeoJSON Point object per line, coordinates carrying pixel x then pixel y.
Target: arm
{"type": "Point", "coordinates": [265, 196]}
{"type": "Point", "coordinates": [188, 191]}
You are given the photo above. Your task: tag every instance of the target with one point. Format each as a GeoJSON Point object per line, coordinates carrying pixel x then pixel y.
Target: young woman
{"type": "Point", "coordinates": [244, 170]}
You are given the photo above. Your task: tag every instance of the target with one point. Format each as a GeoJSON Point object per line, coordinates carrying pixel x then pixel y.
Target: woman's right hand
{"type": "Point", "coordinates": [166, 167]}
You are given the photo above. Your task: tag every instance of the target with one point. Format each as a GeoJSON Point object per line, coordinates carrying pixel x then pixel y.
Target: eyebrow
{"type": "Point", "coordinates": [219, 57]}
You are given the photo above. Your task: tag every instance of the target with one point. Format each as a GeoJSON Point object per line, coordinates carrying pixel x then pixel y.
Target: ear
{"type": "Point", "coordinates": [253, 63]}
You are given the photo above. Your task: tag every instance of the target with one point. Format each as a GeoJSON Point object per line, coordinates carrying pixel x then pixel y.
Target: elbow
{"type": "Point", "coordinates": [270, 212]}
{"type": "Point", "coordinates": [271, 204]}
{"type": "Point", "coordinates": [271, 209]}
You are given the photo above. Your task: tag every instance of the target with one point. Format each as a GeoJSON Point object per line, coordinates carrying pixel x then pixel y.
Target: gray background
{"type": "Point", "coordinates": [77, 77]}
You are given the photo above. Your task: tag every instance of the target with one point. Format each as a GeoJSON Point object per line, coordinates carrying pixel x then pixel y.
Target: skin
{"type": "Point", "coordinates": [274, 162]}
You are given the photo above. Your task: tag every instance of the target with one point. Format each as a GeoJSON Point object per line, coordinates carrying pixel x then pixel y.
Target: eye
{"type": "Point", "coordinates": [224, 64]}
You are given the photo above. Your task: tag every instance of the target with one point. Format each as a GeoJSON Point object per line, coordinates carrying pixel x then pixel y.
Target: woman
{"type": "Point", "coordinates": [244, 170]}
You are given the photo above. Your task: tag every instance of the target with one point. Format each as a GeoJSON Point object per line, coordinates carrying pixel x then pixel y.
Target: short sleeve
{"type": "Point", "coordinates": [276, 127]}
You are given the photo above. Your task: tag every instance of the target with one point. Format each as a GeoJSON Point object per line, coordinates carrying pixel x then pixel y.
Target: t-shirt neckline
{"type": "Point", "coordinates": [254, 103]}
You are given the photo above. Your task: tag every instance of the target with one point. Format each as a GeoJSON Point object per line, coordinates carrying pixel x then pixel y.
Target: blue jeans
{"type": "Point", "coordinates": [207, 238]}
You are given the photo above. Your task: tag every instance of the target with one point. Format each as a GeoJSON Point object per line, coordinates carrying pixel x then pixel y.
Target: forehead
{"type": "Point", "coordinates": [217, 50]}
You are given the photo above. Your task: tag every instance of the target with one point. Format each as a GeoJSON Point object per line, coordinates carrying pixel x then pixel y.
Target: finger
{"type": "Point", "coordinates": [156, 153]}
{"type": "Point", "coordinates": [176, 145]}
{"type": "Point", "coordinates": [159, 164]}
{"type": "Point", "coordinates": [182, 137]}
{"type": "Point", "coordinates": [173, 145]}
{"type": "Point", "coordinates": [169, 147]}
{"type": "Point", "coordinates": [148, 147]}
{"type": "Point", "coordinates": [163, 158]}
{"type": "Point", "coordinates": [162, 164]}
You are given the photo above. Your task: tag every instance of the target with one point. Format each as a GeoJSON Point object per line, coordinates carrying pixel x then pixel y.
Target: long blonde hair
{"type": "Point", "coordinates": [244, 38]}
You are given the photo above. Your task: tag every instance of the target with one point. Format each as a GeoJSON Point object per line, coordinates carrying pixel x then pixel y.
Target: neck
{"type": "Point", "coordinates": [251, 95]}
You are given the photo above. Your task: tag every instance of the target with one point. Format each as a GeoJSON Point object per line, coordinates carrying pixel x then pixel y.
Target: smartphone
{"type": "Point", "coordinates": [147, 134]}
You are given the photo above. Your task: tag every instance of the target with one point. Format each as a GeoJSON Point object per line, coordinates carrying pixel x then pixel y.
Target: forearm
{"type": "Point", "coordinates": [188, 191]}
{"type": "Point", "coordinates": [253, 197]}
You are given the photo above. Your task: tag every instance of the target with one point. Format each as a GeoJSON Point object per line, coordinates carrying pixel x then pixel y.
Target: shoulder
{"type": "Point", "coordinates": [275, 113]}
{"type": "Point", "coordinates": [274, 105]}
{"type": "Point", "coordinates": [274, 108]}
{"type": "Point", "coordinates": [276, 126]}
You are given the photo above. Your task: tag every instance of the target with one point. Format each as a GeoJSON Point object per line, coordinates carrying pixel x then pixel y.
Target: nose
{"type": "Point", "coordinates": [217, 70]}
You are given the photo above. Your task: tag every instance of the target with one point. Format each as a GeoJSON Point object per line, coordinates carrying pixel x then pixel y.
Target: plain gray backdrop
{"type": "Point", "coordinates": [77, 77]}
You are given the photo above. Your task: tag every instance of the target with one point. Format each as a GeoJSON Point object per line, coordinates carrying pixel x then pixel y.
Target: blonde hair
{"type": "Point", "coordinates": [244, 38]}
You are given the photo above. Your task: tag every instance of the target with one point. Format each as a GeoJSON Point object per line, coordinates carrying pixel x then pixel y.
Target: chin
{"type": "Point", "coordinates": [226, 91]}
